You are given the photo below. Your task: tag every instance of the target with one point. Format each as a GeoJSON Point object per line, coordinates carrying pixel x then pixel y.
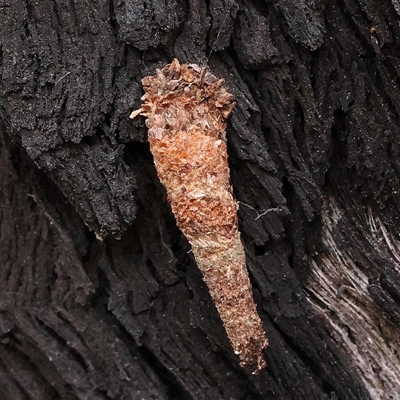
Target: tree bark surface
{"type": "Point", "coordinates": [100, 296]}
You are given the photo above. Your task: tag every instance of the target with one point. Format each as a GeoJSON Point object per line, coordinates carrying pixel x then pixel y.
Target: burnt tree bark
{"type": "Point", "coordinates": [100, 297]}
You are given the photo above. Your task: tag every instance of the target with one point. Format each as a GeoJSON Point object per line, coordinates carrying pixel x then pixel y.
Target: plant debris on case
{"type": "Point", "coordinates": [186, 109]}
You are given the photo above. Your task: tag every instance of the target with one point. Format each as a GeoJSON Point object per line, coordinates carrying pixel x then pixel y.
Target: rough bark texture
{"type": "Point", "coordinates": [99, 297]}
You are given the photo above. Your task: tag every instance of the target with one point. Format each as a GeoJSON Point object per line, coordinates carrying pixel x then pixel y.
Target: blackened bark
{"type": "Point", "coordinates": [99, 295]}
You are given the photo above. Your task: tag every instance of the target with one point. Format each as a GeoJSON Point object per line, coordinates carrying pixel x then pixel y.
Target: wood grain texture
{"type": "Point", "coordinates": [315, 129]}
